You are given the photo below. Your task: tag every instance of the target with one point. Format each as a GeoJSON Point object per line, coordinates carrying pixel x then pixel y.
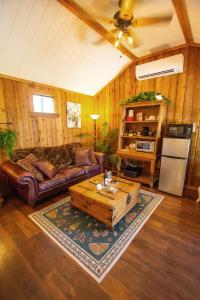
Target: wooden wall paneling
{"type": "Point", "coordinates": [116, 102]}
{"type": "Point", "coordinates": [181, 88]}
{"type": "Point", "coordinates": [172, 91]}
{"type": "Point", "coordinates": [3, 111]}
{"type": "Point", "coordinates": [192, 53]}
{"type": "Point", "coordinates": [172, 96]}
{"type": "Point", "coordinates": [127, 84]}
{"type": "Point", "coordinates": [112, 110]}
{"type": "Point", "coordinates": [194, 162]}
{"type": "Point", "coordinates": [106, 103]}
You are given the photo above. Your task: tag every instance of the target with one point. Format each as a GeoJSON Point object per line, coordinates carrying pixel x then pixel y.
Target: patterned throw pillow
{"type": "Point", "coordinates": [82, 157]}
{"type": "Point", "coordinates": [45, 167]}
{"type": "Point", "coordinates": [27, 164]}
{"type": "Point", "coordinates": [91, 153]}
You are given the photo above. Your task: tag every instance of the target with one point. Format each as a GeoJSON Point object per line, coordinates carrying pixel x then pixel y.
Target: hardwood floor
{"type": "Point", "coordinates": [162, 262]}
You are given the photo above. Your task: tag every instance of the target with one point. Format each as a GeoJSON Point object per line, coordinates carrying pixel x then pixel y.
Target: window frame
{"type": "Point", "coordinates": [43, 114]}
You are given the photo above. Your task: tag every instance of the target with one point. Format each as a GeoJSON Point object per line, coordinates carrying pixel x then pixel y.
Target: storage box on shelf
{"type": "Point", "coordinates": [142, 122]}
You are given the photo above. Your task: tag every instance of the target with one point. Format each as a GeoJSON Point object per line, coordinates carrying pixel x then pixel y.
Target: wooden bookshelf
{"type": "Point", "coordinates": [150, 160]}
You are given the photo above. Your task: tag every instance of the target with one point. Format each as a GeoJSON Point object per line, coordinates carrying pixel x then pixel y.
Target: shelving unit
{"type": "Point", "coordinates": [149, 160]}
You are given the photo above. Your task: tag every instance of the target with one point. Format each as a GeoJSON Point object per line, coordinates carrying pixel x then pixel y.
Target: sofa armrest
{"type": "Point", "coordinates": [100, 157]}
{"type": "Point", "coordinates": [23, 181]}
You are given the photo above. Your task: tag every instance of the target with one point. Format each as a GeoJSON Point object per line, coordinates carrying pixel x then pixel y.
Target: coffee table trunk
{"type": "Point", "coordinates": [105, 207]}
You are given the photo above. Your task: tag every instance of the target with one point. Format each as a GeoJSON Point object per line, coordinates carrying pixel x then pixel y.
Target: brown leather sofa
{"type": "Point", "coordinates": [32, 191]}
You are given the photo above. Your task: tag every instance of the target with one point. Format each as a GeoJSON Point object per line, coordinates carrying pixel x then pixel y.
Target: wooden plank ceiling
{"type": "Point", "coordinates": [56, 42]}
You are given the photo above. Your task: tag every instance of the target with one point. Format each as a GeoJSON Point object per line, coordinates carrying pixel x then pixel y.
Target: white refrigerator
{"type": "Point", "coordinates": [173, 165]}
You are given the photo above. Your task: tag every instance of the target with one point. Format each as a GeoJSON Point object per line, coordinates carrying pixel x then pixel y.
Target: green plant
{"type": "Point", "coordinates": [146, 96]}
{"type": "Point", "coordinates": [7, 141]}
{"type": "Point", "coordinates": [107, 140]}
{"type": "Point", "coordinates": [115, 161]}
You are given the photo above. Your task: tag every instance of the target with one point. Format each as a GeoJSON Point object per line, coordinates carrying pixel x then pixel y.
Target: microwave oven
{"type": "Point", "coordinates": [183, 131]}
{"type": "Point", "coordinates": [145, 146]}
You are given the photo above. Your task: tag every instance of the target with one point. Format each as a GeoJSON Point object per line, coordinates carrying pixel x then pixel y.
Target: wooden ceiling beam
{"type": "Point", "coordinates": [78, 11]}
{"type": "Point", "coordinates": [181, 11]}
{"type": "Point", "coordinates": [153, 54]}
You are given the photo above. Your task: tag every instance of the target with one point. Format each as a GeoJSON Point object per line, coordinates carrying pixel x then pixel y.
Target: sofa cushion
{"type": "Point", "coordinates": [92, 168]}
{"type": "Point", "coordinates": [27, 164]}
{"type": "Point", "coordinates": [71, 173]}
{"type": "Point", "coordinates": [45, 167]}
{"type": "Point", "coordinates": [59, 156]}
{"type": "Point", "coordinates": [82, 157]}
{"type": "Point", "coordinates": [91, 153]}
{"type": "Point", "coordinates": [55, 181]}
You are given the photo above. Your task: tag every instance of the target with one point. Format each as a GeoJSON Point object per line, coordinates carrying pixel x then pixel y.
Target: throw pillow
{"type": "Point", "coordinates": [82, 157]}
{"type": "Point", "coordinates": [27, 164]}
{"type": "Point", "coordinates": [91, 153]}
{"type": "Point", "coordinates": [45, 167]}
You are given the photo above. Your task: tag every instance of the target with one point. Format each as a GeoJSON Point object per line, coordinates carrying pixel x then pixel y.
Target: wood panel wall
{"type": "Point", "coordinates": [32, 131]}
{"type": "Point", "coordinates": [182, 89]}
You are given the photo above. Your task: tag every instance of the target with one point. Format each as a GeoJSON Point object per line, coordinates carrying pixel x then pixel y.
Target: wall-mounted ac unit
{"type": "Point", "coordinates": [161, 67]}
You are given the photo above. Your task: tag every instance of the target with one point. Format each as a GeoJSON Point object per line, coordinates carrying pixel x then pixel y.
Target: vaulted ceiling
{"type": "Point", "coordinates": [57, 42]}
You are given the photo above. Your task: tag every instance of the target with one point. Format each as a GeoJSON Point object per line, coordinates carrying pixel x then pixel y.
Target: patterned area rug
{"type": "Point", "coordinates": [88, 241]}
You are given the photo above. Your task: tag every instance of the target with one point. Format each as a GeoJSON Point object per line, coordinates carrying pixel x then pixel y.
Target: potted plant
{"type": "Point", "coordinates": [115, 161]}
{"type": "Point", "coordinates": [7, 142]}
{"type": "Point", "coordinates": [107, 140]}
{"type": "Point", "coordinates": [151, 96]}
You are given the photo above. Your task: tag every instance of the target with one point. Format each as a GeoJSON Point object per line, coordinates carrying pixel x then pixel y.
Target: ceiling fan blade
{"type": "Point", "coordinates": [104, 19]}
{"type": "Point", "coordinates": [101, 41]}
{"type": "Point", "coordinates": [136, 41]}
{"type": "Point", "coordinates": [140, 22]}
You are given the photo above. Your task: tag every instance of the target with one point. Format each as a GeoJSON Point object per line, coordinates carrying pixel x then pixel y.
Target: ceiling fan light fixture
{"type": "Point", "coordinates": [130, 40]}
{"type": "Point", "coordinates": [120, 34]}
{"type": "Point", "coordinates": [116, 43]}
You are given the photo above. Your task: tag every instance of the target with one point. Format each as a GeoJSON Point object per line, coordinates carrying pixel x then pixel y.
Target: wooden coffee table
{"type": "Point", "coordinates": [104, 206]}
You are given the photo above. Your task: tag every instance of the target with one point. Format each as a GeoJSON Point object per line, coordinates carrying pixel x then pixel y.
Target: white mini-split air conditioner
{"type": "Point", "coordinates": [161, 67]}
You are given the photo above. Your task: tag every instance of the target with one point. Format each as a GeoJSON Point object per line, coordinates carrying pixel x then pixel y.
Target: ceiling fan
{"type": "Point", "coordinates": [125, 22]}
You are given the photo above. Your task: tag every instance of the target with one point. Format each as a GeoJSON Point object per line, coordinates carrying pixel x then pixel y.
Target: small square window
{"type": "Point", "coordinates": [43, 104]}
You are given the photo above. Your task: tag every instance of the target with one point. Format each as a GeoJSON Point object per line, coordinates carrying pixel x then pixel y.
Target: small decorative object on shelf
{"type": "Point", "coordinates": [132, 146]}
{"type": "Point", "coordinates": [139, 116]}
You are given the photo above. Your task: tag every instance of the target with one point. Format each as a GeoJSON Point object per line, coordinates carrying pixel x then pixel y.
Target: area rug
{"type": "Point", "coordinates": [88, 241]}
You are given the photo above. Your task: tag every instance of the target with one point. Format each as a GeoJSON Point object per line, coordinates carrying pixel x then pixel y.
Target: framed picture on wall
{"type": "Point", "coordinates": [73, 111]}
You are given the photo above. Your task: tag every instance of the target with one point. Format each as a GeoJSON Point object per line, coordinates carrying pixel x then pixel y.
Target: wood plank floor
{"type": "Point", "coordinates": [162, 262]}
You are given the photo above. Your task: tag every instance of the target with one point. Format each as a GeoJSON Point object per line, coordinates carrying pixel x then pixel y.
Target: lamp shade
{"type": "Point", "coordinates": [95, 117]}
